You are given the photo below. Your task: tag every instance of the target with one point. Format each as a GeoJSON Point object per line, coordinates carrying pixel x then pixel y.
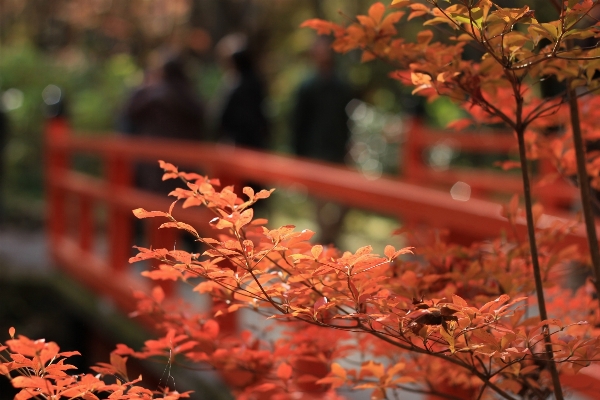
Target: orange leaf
{"type": "Point", "coordinates": [321, 26]}
{"type": "Point", "coordinates": [387, 26]}
{"type": "Point", "coordinates": [490, 306]}
{"type": "Point", "coordinates": [460, 124]}
{"type": "Point", "coordinates": [141, 213]}
{"type": "Point", "coordinates": [376, 12]}
{"type": "Point", "coordinates": [265, 387]}
{"type": "Point", "coordinates": [416, 14]}
{"type": "Point", "coordinates": [182, 256]}
{"type": "Point", "coordinates": [167, 167]}
{"type": "Point", "coordinates": [420, 79]}
{"type": "Point", "coordinates": [119, 363]}
{"type": "Point", "coordinates": [510, 164]}
{"type": "Point", "coordinates": [180, 225]}
{"type": "Point", "coordinates": [424, 37]}
{"type": "Point", "coordinates": [220, 223]}
{"type": "Point", "coordinates": [206, 287]}
{"type": "Point", "coordinates": [322, 301]}
{"type": "Point", "coordinates": [264, 194]}
{"type": "Point", "coordinates": [367, 56]}
{"type": "Point", "coordinates": [158, 294]}
{"type": "Point", "coordinates": [389, 251]}
{"type": "Point", "coordinates": [316, 251]}
{"type": "Point", "coordinates": [419, 7]}
{"type": "Point", "coordinates": [284, 371]}
{"type": "Point", "coordinates": [166, 272]}
{"type": "Point", "coordinates": [338, 371]}
{"type": "Point", "coordinates": [459, 301]}
{"type": "Point", "coordinates": [248, 191]}
{"type": "Point", "coordinates": [211, 327]}
{"type": "Point", "coordinates": [367, 22]}
{"type": "Point", "coordinates": [172, 206]}
{"type": "Point", "coordinates": [371, 368]}
{"type": "Point", "coordinates": [245, 218]}
{"type": "Point", "coordinates": [33, 382]}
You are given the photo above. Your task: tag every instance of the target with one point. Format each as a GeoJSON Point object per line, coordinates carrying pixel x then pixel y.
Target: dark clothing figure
{"type": "Point", "coordinates": [3, 143]}
{"type": "Point", "coordinates": [167, 109]}
{"type": "Point", "coordinates": [320, 130]}
{"type": "Point", "coordinates": [242, 120]}
{"type": "Point", "coordinates": [320, 123]}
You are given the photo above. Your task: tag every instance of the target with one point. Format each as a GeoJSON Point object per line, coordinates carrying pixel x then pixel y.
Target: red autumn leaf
{"type": "Point", "coordinates": [165, 272]}
{"type": "Point", "coordinates": [376, 12]}
{"type": "Point", "coordinates": [245, 218]}
{"type": "Point", "coordinates": [436, 338]}
{"type": "Point", "coordinates": [265, 387]}
{"type": "Point", "coordinates": [118, 363]}
{"type": "Point", "coordinates": [459, 301]}
{"type": "Point", "coordinates": [141, 213]}
{"type": "Point", "coordinates": [248, 191]}
{"type": "Point", "coordinates": [264, 194]}
{"type": "Point", "coordinates": [284, 371]}
{"type": "Point", "coordinates": [321, 26]}
{"type": "Point", "coordinates": [180, 225]}
{"type": "Point", "coordinates": [322, 301]}
{"type": "Point", "coordinates": [158, 294]}
{"type": "Point", "coordinates": [372, 368]}
{"type": "Point", "coordinates": [460, 124]}
{"type": "Point", "coordinates": [182, 256]}
{"type": "Point", "coordinates": [506, 165]}
{"type": "Point", "coordinates": [494, 304]}
{"type": "Point", "coordinates": [220, 223]}
{"type": "Point", "coordinates": [167, 167]}
{"type": "Point", "coordinates": [387, 25]}
{"type": "Point", "coordinates": [211, 327]}
{"type": "Point", "coordinates": [316, 251]}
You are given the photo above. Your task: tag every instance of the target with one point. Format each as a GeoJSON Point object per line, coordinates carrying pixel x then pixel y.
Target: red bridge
{"type": "Point", "coordinates": [74, 199]}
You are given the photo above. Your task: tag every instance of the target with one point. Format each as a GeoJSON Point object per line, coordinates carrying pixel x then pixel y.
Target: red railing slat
{"type": "Point", "coordinates": [473, 219]}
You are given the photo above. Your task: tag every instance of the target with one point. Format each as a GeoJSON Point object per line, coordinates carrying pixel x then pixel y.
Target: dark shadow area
{"type": "Point", "coordinates": [57, 309]}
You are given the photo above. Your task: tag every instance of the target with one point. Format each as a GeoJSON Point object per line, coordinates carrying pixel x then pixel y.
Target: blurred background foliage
{"type": "Point", "coordinates": [96, 52]}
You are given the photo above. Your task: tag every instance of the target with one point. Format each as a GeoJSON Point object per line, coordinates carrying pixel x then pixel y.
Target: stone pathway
{"type": "Point", "coordinates": [23, 252]}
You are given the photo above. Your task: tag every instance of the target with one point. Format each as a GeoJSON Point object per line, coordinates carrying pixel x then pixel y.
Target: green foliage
{"type": "Point", "coordinates": [93, 94]}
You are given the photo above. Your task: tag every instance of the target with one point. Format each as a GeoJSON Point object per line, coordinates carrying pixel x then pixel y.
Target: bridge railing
{"type": "Point", "coordinates": [484, 182]}
{"type": "Point", "coordinates": [73, 199]}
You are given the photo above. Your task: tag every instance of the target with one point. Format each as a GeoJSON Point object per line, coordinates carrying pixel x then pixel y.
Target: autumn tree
{"type": "Point", "coordinates": [483, 321]}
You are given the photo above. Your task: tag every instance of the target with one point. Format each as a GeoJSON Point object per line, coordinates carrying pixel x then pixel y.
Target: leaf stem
{"type": "Point", "coordinates": [520, 131]}
{"type": "Point", "coordinates": [584, 184]}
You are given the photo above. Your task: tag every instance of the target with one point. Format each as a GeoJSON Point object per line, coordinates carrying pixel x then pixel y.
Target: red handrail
{"type": "Point", "coordinates": [556, 195]}
{"type": "Point", "coordinates": [473, 219]}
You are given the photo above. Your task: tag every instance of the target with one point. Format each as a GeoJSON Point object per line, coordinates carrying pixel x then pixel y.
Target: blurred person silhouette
{"type": "Point", "coordinates": [320, 127]}
{"type": "Point", "coordinates": [241, 116]}
{"type": "Point", "coordinates": [166, 106]}
{"type": "Point", "coordinates": [3, 143]}
{"type": "Point", "coordinates": [242, 120]}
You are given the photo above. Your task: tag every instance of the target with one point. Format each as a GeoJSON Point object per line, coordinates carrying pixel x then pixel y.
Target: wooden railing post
{"type": "Point", "coordinates": [411, 157]}
{"type": "Point", "coordinates": [411, 161]}
{"type": "Point", "coordinates": [86, 223]}
{"type": "Point", "coordinates": [56, 129]}
{"type": "Point", "coordinates": [119, 177]}
{"type": "Point", "coordinates": [546, 195]}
